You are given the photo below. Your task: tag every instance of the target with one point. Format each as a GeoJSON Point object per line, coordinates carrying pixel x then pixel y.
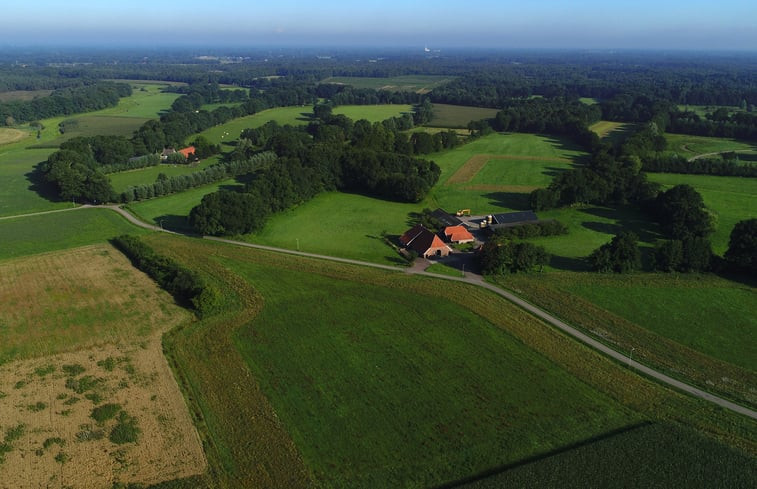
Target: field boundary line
{"type": "Point", "coordinates": [41, 213]}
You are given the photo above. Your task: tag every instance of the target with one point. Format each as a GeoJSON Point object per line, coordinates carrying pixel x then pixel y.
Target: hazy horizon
{"type": "Point", "coordinates": [547, 24]}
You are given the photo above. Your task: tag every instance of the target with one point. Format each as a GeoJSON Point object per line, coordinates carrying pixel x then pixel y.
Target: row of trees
{"type": "Point", "coordinates": [727, 164]}
{"type": "Point", "coordinates": [64, 101]}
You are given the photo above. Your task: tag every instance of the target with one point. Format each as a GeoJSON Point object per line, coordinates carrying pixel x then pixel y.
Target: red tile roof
{"type": "Point", "coordinates": [187, 151]}
{"type": "Point", "coordinates": [457, 234]}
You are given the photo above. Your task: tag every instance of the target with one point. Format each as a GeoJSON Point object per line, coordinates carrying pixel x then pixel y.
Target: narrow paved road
{"type": "Point", "coordinates": [477, 280]}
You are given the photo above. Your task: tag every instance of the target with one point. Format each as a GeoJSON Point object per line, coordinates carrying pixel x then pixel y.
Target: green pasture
{"type": "Point", "coordinates": [703, 110]}
{"type": "Point", "coordinates": [732, 199]}
{"type": "Point", "coordinates": [458, 116]}
{"type": "Point", "coordinates": [653, 455]}
{"type": "Point", "coordinates": [340, 224]}
{"type": "Point", "coordinates": [520, 172]}
{"type": "Point", "coordinates": [690, 146]}
{"type": "Point", "coordinates": [382, 387]}
{"type": "Point", "coordinates": [18, 194]}
{"type": "Point", "coordinates": [173, 209]}
{"type": "Point", "coordinates": [408, 83]}
{"type": "Point", "coordinates": [442, 269]}
{"type": "Point", "coordinates": [589, 100]}
{"type": "Point", "coordinates": [142, 176]}
{"type": "Point", "coordinates": [298, 115]}
{"type": "Point", "coordinates": [60, 230]}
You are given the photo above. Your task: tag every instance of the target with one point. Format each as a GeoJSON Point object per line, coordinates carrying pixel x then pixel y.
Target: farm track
{"type": "Point", "coordinates": [473, 279]}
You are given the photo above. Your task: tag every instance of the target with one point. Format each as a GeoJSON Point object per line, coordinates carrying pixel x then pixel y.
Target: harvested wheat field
{"type": "Point", "coordinates": [100, 413]}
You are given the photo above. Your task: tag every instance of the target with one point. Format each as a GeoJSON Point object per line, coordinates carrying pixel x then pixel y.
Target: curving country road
{"type": "Point", "coordinates": [472, 279]}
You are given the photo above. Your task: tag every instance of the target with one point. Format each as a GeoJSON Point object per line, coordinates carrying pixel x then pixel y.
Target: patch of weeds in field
{"type": "Point", "coordinates": [61, 396]}
{"type": "Point", "coordinates": [3, 394]}
{"type": "Point", "coordinates": [62, 458]}
{"type": "Point", "coordinates": [108, 364]}
{"type": "Point", "coordinates": [125, 431]}
{"type": "Point", "coordinates": [14, 433]}
{"type": "Point", "coordinates": [43, 371]}
{"type": "Point", "coordinates": [36, 407]}
{"type": "Point", "coordinates": [84, 384]}
{"type": "Point", "coordinates": [53, 441]}
{"type": "Point", "coordinates": [87, 433]}
{"type": "Point", "coordinates": [71, 400]}
{"type": "Point", "coordinates": [65, 412]}
{"type": "Point", "coordinates": [123, 384]}
{"type": "Point", "coordinates": [95, 397]}
{"type": "Point", "coordinates": [73, 370]}
{"type": "Point", "coordinates": [20, 384]}
{"type": "Point", "coordinates": [105, 412]}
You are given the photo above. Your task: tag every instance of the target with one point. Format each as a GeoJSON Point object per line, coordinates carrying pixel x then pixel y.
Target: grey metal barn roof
{"type": "Point", "coordinates": [514, 217]}
{"type": "Point", "coordinates": [445, 218]}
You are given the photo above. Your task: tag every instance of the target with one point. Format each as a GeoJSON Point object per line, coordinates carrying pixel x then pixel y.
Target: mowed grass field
{"type": "Point", "coordinates": [695, 327]}
{"type": "Point", "coordinates": [458, 116]}
{"type": "Point", "coordinates": [298, 115]}
{"type": "Point", "coordinates": [172, 211]}
{"type": "Point", "coordinates": [77, 306]}
{"type": "Point", "coordinates": [691, 146]}
{"type": "Point", "coordinates": [405, 381]}
{"type": "Point", "coordinates": [30, 235]}
{"type": "Point", "coordinates": [733, 199]}
{"type": "Point", "coordinates": [613, 131]}
{"type": "Point", "coordinates": [132, 178]}
{"type": "Point", "coordinates": [408, 83]}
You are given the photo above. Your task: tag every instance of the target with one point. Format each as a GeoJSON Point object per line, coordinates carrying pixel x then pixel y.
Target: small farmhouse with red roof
{"type": "Point", "coordinates": [189, 150]}
{"type": "Point", "coordinates": [424, 242]}
{"type": "Point", "coordinates": [458, 234]}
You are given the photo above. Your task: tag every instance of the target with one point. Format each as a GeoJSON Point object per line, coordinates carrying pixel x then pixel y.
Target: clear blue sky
{"type": "Point", "coordinates": [667, 24]}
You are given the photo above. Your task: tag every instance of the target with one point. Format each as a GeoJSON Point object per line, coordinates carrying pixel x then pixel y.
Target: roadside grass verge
{"type": "Point", "coordinates": [61, 230]}
{"type": "Point", "coordinates": [248, 446]}
{"type": "Point", "coordinates": [691, 326]}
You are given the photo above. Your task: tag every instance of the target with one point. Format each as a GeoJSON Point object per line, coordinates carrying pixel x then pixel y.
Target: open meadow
{"type": "Point", "coordinates": [341, 375]}
{"type": "Point", "coordinates": [145, 176]}
{"type": "Point", "coordinates": [298, 115]}
{"type": "Point", "coordinates": [87, 398]}
{"type": "Point", "coordinates": [615, 132]}
{"type": "Point", "coordinates": [691, 146]}
{"type": "Point", "coordinates": [30, 235]}
{"type": "Point", "coordinates": [408, 83]}
{"type": "Point", "coordinates": [458, 116]}
{"type": "Point", "coordinates": [732, 199]}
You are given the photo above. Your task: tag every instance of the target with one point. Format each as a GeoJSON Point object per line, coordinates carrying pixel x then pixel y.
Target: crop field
{"type": "Point", "coordinates": [693, 326]}
{"type": "Point", "coordinates": [23, 95]}
{"type": "Point", "coordinates": [654, 455]}
{"type": "Point", "coordinates": [141, 176]}
{"type": "Point", "coordinates": [298, 115]}
{"type": "Point", "coordinates": [458, 116]}
{"type": "Point", "coordinates": [733, 199]}
{"type": "Point", "coordinates": [60, 230]}
{"type": "Point", "coordinates": [171, 211]}
{"type": "Point", "coordinates": [352, 366]}
{"type": "Point", "coordinates": [8, 135]}
{"type": "Point", "coordinates": [87, 352]}
{"type": "Point", "coordinates": [691, 146]}
{"type": "Point", "coordinates": [96, 125]}
{"type": "Point", "coordinates": [409, 83]}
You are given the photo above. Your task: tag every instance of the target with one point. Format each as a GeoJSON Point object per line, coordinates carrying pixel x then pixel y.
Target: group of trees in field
{"type": "Point", "coordinates": [503, 256]}
{"type": "Point", "coordinates": [185, 285]}
{"type": "Point", "coordinates": [333, 154]}
{"type": "Point", "coordinates": [720, 123]}
{"type": "Point", "coordinates": [64, 101]}
{"type": "Point", "coordinates": [727, 165]}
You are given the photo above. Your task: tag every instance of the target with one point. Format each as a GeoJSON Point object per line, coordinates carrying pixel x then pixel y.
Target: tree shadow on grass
{"type": "Point", "coordinates": [625, 219]}
{"type": "Point", "coordinates": [510, 200]}
{"type": "Point", "coordinates": [40, 186]}
{"type": "Point", "coordinates": [552, 171]}
{"type": "Point", "coordinates": [172, 222]}
{"type": "Point", "coordinates": [568, 263]}
{"type": "Point", "coordinates": [493, 472]}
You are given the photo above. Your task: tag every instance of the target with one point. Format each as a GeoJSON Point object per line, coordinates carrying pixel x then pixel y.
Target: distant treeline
{"type": "Point", "coordinates": [727, 166]}
{"type": "Point", "coordinates": [185, 285]}
{"type": "Point", "coordinates": [64, 101]}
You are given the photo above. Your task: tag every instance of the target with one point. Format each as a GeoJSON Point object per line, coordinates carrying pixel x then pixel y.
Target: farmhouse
{"type": "Point", "coordinates": [458, 234]}
{"type": "Point", "coordinates": [166, 152]}
{"type": "Point", "coordinates": [189, 150]}
{"type": "Point", "coordinates": [424, 242]}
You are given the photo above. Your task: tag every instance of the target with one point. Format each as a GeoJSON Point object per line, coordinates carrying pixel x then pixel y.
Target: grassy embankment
{"type": "Point", "coordinates": [402, 376]}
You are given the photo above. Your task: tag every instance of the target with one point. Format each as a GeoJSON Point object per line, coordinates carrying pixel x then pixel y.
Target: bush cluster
{"type": "Point", "coordinates": [532, 230]}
